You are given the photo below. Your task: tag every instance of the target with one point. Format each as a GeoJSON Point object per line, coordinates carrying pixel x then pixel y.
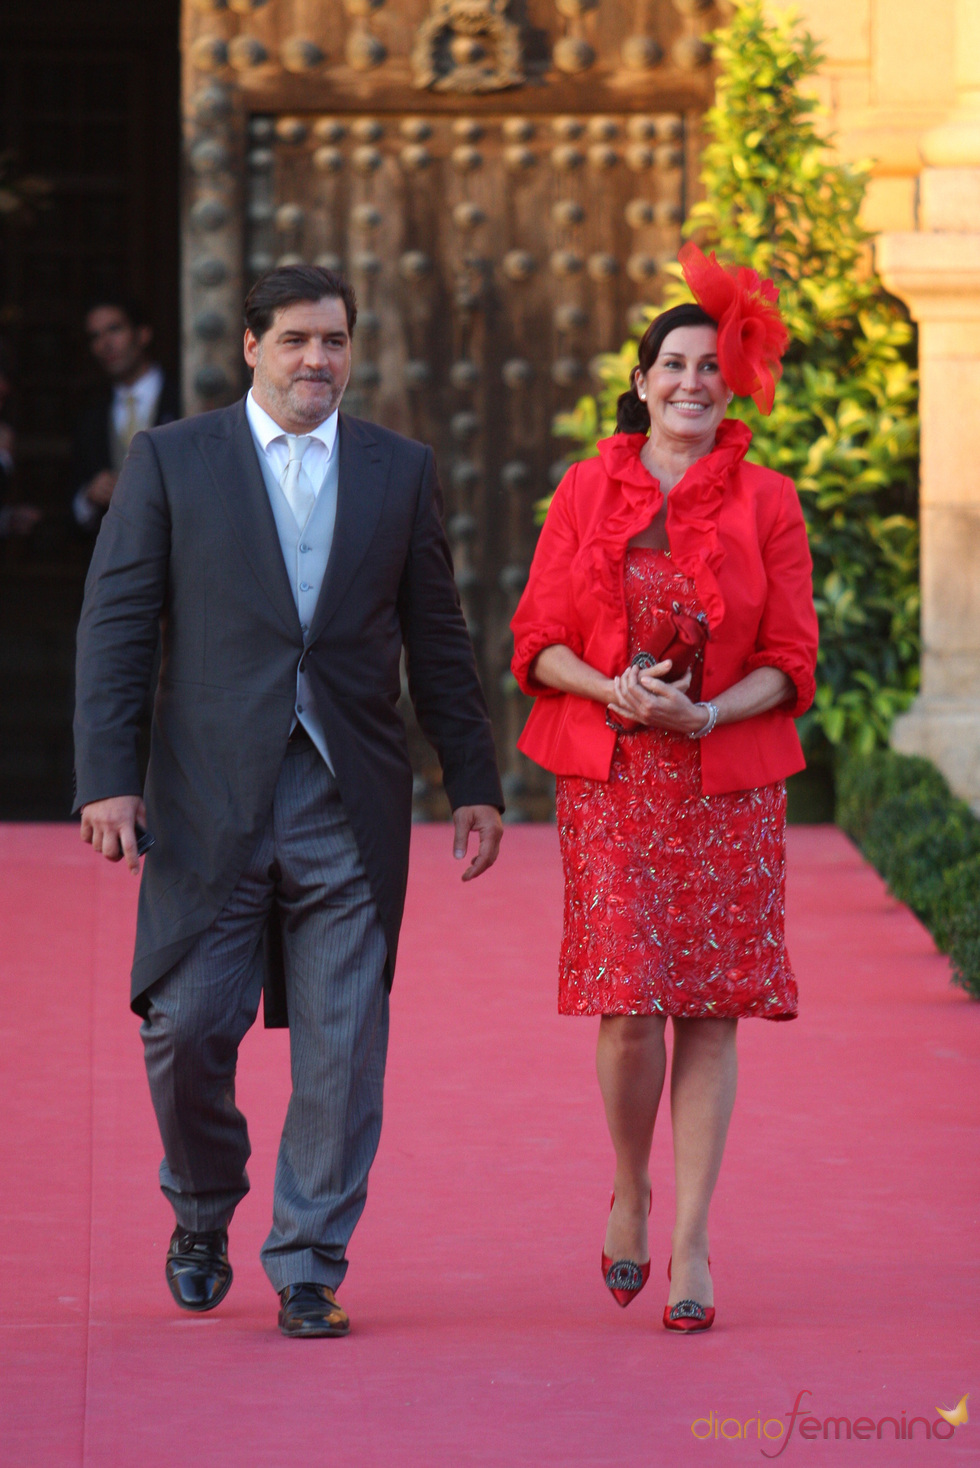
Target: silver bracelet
{"type": "Point", "coordinates": [712, 720]}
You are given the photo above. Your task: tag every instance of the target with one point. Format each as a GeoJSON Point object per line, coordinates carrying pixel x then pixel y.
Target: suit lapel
{"type": "Point", "coordinates": [234, 468]}
{"type": "Point", "coordinates": [361, 487]}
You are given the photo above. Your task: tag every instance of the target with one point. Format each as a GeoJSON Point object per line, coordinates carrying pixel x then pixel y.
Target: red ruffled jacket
{"type": "Point", "coordinates": [735, 528]}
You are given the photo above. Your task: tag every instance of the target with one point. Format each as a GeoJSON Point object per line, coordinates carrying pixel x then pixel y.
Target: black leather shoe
{"type": "Point", "coordinates": [309, 1310]}
{"type": "Point", "coordinates": [198, 1271]}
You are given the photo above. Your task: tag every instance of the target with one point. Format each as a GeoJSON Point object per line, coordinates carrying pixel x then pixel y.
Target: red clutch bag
{"type": "Point", "coordinates": [681, 636]}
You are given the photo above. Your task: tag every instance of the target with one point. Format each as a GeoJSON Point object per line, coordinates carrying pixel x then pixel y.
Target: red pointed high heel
{"type": "Point", "coordinates": [623, 1278]}
{"type": "Point", "coordinates": [688, 1315]}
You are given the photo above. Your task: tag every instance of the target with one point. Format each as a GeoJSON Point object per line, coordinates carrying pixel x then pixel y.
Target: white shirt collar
{"type": "Point", "coordinates": [146, 389]}
{"type": "Point", "coordinates": [266, 429]}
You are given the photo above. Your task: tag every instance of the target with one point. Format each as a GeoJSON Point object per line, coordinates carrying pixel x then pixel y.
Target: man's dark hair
{"type": "Point", "coordinates": [133, 310]}
{"type": "Point", "coordinates": [288, 284]}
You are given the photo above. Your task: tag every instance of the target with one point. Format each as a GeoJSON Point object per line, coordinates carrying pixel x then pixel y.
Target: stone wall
{"type": "Point", "coordinates": [888, 79]}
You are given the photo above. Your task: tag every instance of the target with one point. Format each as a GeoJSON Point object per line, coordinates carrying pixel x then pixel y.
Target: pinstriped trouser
{"type": "Point", "coordinates": [307, 861]}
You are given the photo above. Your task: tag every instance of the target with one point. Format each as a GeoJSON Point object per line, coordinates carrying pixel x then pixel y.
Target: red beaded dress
{"type": "Point", "coordinates": [673, 899]}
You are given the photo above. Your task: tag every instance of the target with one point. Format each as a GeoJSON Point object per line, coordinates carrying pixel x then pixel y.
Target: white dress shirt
{"type": "Point", "coordinates": [274, 443]}
{"type": "Point", "coordinates": [145, 393]}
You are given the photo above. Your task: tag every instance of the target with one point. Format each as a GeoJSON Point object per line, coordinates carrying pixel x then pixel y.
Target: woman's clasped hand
{"type": "Point", "coordinates": [644, 696]}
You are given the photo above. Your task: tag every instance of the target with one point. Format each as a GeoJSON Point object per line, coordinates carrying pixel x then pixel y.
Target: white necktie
{"type": "Point", "coordinates": [296, 484]}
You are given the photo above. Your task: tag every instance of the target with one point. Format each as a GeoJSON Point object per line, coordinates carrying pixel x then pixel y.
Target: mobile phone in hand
{"type": "Point", "coordinates": [144, 840]}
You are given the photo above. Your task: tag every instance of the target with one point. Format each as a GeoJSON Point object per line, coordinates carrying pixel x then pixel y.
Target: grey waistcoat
{"type": "Point", "coordinates": [305, 553]}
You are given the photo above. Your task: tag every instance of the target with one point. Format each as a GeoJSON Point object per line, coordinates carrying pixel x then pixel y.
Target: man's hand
{"type": "Point", "coordinates": [110, 826]}
{"type": "Point", "coordinates": [485, 821]}
{"type": "Point", "coordinates": [99, 492]}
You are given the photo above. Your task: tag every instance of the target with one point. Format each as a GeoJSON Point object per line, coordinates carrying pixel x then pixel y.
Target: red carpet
{"type": "Point", "coordinates": [844, 1234]}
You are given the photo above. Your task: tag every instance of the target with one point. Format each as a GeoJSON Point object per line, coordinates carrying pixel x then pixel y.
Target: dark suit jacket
{"type": "Point", "coordinates": [90, 444]}
{"type": "Point", "coordinates": [190, 543]}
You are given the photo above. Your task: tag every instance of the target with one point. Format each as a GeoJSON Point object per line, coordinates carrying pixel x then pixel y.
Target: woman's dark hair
{"type": "Point", "coordinates": [288, 284]}
{"type": "Point", "coordinates": [632, 415]}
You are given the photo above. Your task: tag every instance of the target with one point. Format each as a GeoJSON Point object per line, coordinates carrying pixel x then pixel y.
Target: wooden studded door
{"type": "Point", "coordinates": [493, 257]}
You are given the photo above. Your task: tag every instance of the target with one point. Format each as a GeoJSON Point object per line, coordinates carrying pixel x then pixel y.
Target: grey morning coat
{"type": "Point", "coordinates": [190, 547]}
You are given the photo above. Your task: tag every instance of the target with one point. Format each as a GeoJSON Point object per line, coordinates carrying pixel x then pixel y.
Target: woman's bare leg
{"type": "Point", "coordinates": [631, 1063]}
{"type": "Point", "coordinates": [703, 1075]}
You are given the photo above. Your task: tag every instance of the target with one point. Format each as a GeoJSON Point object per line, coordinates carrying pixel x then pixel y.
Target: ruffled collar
{"type": "Point", "coordinates": [693, 507]}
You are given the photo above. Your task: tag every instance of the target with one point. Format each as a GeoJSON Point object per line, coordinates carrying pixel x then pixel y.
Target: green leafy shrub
{"type": "Point", "coordinates": [960, 918]}
{"type": "Point", "coordinates": [914, 839]}
{"type": "Point", "coordinates": [924, 842]}
{"type": "Point", "coordinates": [865, 784]}
{"type": "Point", "coordinates": [844, 426]}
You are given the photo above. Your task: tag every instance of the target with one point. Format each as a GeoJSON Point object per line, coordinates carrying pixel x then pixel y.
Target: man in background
{"type": "Point", "coordinates": [138, 395]}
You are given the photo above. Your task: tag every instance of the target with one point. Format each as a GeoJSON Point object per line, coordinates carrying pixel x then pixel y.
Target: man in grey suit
{"type": "Point", "coordinates": [289, 554]}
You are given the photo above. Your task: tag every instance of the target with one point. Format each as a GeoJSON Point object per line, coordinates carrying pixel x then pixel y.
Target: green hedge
{"type": "Point", "coordinates": [924, 842]}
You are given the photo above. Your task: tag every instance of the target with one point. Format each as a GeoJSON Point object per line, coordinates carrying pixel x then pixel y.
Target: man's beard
{"type": "Point", "coordinates": [302, 408]}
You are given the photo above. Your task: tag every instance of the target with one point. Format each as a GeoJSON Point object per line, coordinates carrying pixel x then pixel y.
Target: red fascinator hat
{"type": "Point", "coordinates": [751, 334]}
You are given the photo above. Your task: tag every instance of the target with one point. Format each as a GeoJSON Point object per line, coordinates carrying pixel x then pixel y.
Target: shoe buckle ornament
{"type": "Point", "coordinates": [687, 1310]}
{"type": "Point", "coordinates": [624, 1275]}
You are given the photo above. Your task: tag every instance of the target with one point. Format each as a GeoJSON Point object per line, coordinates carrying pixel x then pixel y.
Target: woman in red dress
{"type": "Point", "coordinates": [671, 799]}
